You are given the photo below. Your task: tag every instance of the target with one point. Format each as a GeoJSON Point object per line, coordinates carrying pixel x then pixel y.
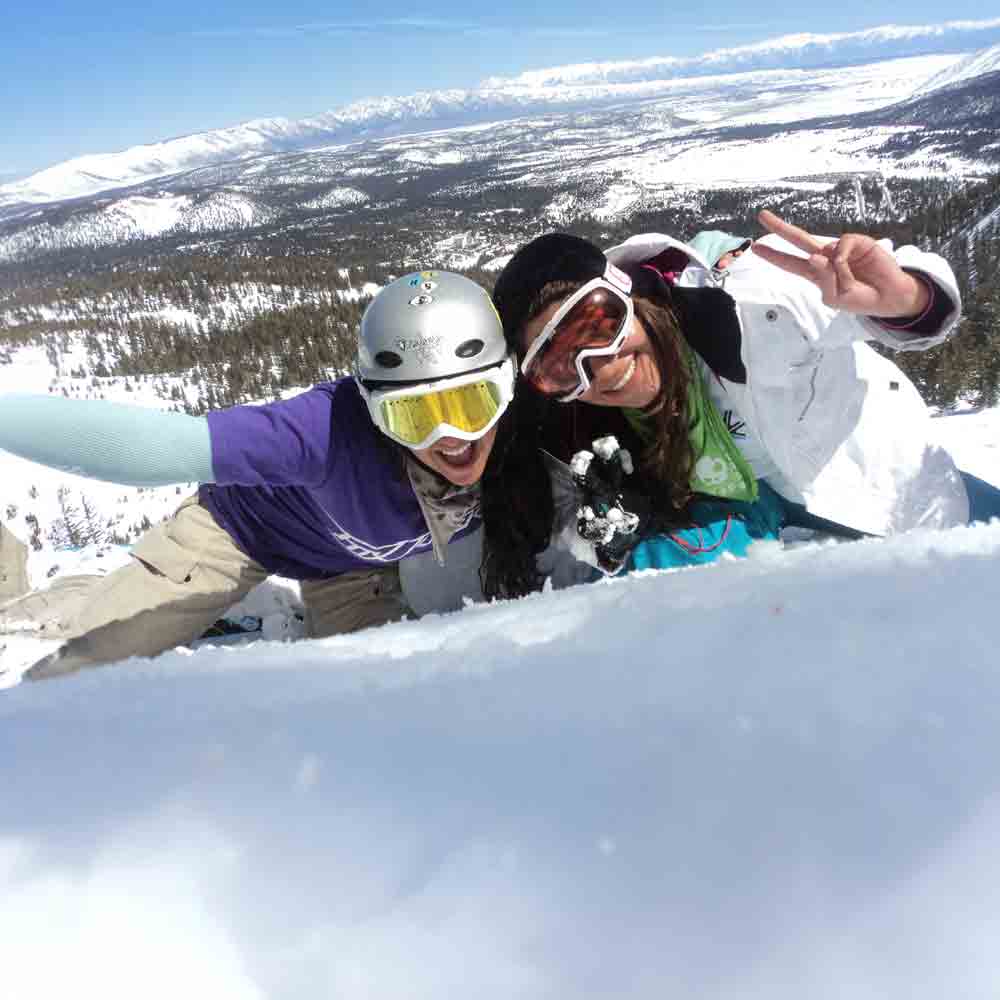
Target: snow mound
{"type": "Point", "coordinates": [769, 778]}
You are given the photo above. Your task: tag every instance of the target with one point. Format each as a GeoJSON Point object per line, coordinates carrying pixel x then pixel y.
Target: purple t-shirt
{"type": "Point", "coordinates": [308, 488]}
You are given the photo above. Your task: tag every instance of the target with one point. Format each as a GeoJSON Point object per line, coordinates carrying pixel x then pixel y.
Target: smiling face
{"type": "Point", "coordinates": [631, 378]}
{"type": "Point", "coordinates": [460, 462]}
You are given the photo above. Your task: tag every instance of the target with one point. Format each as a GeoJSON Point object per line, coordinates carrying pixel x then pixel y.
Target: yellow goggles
{"type": "Point", "coordinates": [465, 407]}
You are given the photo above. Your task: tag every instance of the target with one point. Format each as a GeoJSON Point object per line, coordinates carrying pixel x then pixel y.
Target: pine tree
{"type": "Point", "coordinates": [67, 531]}
{"type": "Point", "coordinates": [35, 532]}
{"type": "Point", "coordinates": [91, 524]}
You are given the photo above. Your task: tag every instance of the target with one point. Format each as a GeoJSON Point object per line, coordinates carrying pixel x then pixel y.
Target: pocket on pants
{"type": "Point", "coordinates": [163, 555]}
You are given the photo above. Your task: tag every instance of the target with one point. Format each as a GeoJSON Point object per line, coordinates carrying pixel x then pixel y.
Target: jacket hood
{"type": "Point", "coordinates": [646, 246]}
{"type": "Point", "coordinates": [713, 244]}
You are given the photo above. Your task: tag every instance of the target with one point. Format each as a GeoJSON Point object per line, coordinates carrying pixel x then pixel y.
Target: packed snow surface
{"type": "Point", "coordinates": [768, 778]}
{"type": "Point", "coordinates": [774, 778]}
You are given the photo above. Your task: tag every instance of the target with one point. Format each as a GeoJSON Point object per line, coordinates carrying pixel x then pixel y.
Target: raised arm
{"type": "Point", "coordinates": [911, 295]}
{"type": "Point", "coordinates": [132, 445]}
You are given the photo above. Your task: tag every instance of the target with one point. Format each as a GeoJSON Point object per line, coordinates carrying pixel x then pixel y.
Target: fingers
{"type": "Point", "coordinates": [816, 268]}
{"type": "Point", "coordinates": [797, 237]}
{"type": "Point", "coordinates": [846, 283]}
{"type": "Point", "coordinates": [786, 261]}
{"type": "Point", "coordinates": [857, 285]}
{"type": "Point", "coordinates": [827, 278]}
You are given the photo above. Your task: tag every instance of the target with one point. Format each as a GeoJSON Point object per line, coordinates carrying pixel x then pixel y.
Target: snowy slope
{"type": "Point", "coordinates": [976, 64]}
{"type": "Point", "coordinates": [774, 778]}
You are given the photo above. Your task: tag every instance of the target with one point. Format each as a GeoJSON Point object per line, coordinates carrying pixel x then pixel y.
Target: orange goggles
{"type": "Point", "coordinates": [592, 322]}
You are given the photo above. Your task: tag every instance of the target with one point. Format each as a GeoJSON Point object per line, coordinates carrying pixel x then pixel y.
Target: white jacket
{"type": "Point", "coordinates": [837, 426]}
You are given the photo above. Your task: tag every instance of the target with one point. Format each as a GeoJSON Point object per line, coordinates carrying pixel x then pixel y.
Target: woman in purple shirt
{"type": "Point", "coordinates": [333, 487]}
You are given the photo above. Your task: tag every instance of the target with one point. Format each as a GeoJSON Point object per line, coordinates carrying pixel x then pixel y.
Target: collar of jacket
{"type": "Point", "coordinates": [707, 314]}
{"type": "Point", "coordinates": [708, 320]}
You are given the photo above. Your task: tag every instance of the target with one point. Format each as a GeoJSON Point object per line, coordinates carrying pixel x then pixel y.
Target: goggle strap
{"type": "Point", "coordinates": [616, 276]}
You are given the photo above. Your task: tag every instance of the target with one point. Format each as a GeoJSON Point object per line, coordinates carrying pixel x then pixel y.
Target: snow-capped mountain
{"type": "Point", "coordinates": [636, 147]}
{"type": "Point", "coordinates": [977, 64]}
{"type": "Point", "coordinates": [802, 50]}
{"type": "Point", "coordinates": [562, 89]}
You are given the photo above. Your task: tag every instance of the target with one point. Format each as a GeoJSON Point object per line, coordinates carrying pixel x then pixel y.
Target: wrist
{"type": "Point", "coordinates": [923, 300]}
{"type": "Point", "coordinates": [921, 297]}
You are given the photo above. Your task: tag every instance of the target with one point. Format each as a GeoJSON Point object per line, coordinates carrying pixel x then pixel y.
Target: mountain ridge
{"type": "Point", "coordinates": [570, 88]}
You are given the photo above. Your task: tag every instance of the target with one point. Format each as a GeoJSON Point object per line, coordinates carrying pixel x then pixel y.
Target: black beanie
{"type": "Point", "coordinates": [553, 257]}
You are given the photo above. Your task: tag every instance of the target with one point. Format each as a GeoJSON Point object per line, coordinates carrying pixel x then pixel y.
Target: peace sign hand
{"type": "Point", "coordinates": [854, 273]}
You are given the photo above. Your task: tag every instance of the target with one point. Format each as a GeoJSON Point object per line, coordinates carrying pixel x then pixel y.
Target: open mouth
{"type": "Point", "coordinates": [461, 454]}
{"type": "Point", "coordinates": [623, 380]}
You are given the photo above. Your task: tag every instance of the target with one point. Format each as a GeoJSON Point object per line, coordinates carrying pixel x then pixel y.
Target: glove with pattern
{"type": "Point", "coordinates": [611, 518]}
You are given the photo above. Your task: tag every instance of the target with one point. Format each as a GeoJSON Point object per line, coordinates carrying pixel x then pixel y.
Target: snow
{"type": "Point", "coordinates": [751, 162]}
{"type": "Point", "coordinates": [802, 49]}
{"type": "Point", "coordinates": [457, 252]}
{"type": "Point", "coordinates": [617, 200]}
{"type": "Point", "coordinates": [151, 216]}
{"type": "Point", "coordinates": [561, 208]}
{"type": "Point", "coordinates": [134, 218]}
{"type": "Point", "coordinates": [337, 197]}
{"type": "Point", "coordinates": [435, 157]}
{"type": "Point", "coordinates": [976, 64]}
{"type": "Point", "coordinates": [972, 436]}
{"type": "Point", "coordinates": [793, 71]}
{"type": "Point", "coordinates": [627, 142]}
{"type": "Point", "coordinates": [497, 263]}
{"type": "Point", "coordinates": [773, 777]}
{"type": "Point", "coordinates": [367, 290]}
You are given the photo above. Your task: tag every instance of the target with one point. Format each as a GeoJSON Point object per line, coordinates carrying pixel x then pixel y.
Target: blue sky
{"type": "Point", "coordinates": [78, 78]}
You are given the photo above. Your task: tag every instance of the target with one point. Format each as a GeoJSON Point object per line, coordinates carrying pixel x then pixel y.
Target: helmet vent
{"type": "Point", "coordinates": [469, 348]}
{"type": "Point", "coordinates": [388, 359]}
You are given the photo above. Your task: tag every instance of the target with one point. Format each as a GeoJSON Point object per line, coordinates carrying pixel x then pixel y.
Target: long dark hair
{"type": "Point", "coordinates": [516, 499]}
{"type": "Point", "coordinates": [516, 494]}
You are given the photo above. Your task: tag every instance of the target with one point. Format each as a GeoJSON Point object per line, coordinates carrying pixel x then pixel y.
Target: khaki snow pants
{"type": "Point", "coordinates": [185, 573]}
{"type": "Point", "coordinates": [13, 565]}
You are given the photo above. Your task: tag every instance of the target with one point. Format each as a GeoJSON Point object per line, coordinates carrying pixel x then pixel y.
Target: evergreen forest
{"type": "Point", "coordinates": [252, 315]}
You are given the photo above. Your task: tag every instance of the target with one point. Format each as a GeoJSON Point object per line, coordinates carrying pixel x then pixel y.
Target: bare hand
{"type": "Point", "coordinates": [854, 273]}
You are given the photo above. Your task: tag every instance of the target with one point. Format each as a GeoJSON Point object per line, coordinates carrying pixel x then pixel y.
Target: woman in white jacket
{"type": "Point", "coordinates": [758, 374]}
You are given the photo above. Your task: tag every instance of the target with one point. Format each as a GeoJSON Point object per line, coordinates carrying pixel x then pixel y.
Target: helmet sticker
{"type": "Point", "coordinates": [422, 299]}
{"type": "Point", "coordinates": [425, 349]}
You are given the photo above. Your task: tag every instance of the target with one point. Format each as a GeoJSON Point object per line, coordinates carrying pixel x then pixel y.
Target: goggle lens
{"type": "Point", "coordinates": [468, 408]}
{"type": "Point", "coordinates": [593, 322]}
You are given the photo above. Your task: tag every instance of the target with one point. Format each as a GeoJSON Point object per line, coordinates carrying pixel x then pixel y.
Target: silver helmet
{"type": "Point", "coordinates": [426, 326]}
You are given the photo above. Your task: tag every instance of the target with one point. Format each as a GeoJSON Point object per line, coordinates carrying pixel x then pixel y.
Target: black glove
{"type": "Point", "coordinates": [611, 518]}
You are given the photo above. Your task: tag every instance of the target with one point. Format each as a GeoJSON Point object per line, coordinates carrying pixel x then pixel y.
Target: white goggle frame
{"type": "Point", "coordinates": [502, 376]}
{"type": "Point", "coordinates": [619, 284]}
